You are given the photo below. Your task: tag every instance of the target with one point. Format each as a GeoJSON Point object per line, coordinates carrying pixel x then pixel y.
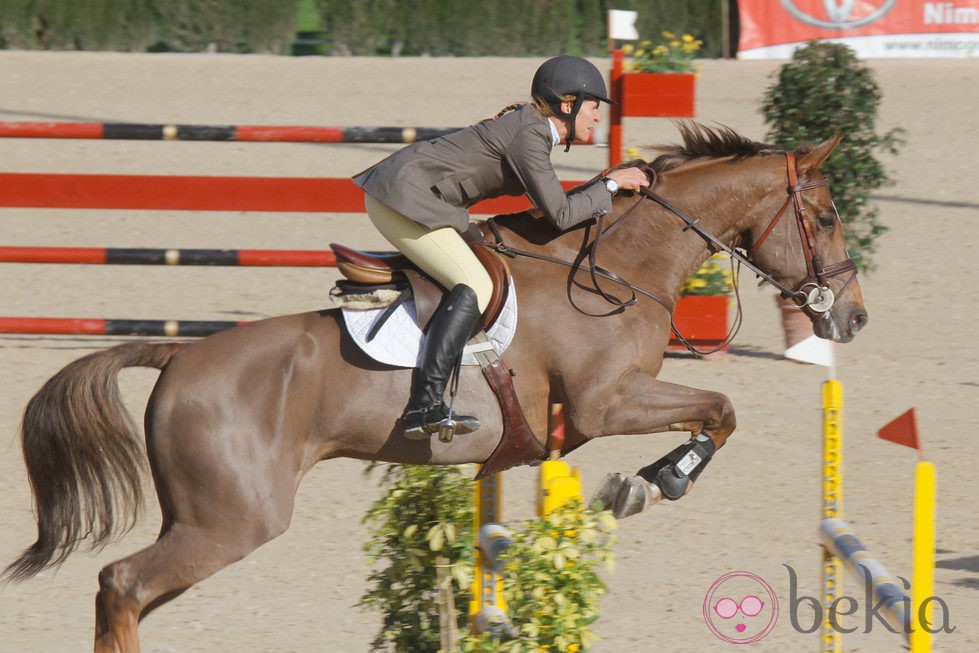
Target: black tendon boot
{"type": "Point", "coordinates": [674, 472]}
{"type": "Point", "coordinates": [449, 329]}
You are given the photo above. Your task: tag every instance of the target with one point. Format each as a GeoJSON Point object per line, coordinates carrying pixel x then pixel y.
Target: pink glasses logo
{"type": "Point", "coordinates": [735, 613]}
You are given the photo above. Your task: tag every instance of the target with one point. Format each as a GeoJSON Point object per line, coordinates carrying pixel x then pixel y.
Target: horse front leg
{"type": "Point", "coordinates": [643, 404]}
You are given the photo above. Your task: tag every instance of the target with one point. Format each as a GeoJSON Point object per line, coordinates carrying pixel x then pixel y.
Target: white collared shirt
{"type": "Point", "coordinates": [555, 136]}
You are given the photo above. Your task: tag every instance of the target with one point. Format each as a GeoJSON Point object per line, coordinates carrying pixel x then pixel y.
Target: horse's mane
{"type": "Point", "coordinates": [702, 141]}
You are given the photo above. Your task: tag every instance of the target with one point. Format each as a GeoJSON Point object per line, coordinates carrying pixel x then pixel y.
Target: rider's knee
{"type": "Point", "coordinates": [482, 285]}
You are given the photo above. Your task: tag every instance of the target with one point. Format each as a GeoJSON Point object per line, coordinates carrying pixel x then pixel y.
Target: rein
{"type": "Point", "coordinates": [819, 299]}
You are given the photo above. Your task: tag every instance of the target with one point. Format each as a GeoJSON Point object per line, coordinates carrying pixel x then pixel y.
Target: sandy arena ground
{"type": "Point", "coordinates": [756, 508]}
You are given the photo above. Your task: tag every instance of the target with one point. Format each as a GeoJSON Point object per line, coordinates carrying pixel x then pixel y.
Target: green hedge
{"type": "Point", "coordinates": [504, 27]}
{"type": "Point", "coordinates": [148, 25]}
{"type": "Point", "coordinates": [359, 27]}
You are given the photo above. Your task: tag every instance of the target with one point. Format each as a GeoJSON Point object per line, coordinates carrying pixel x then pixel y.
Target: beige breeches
{"type": "Point", "coordinates": [440, 253]}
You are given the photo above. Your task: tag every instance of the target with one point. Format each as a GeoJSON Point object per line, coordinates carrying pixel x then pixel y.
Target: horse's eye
{"type": "Point", "coordinates": [826, 221]}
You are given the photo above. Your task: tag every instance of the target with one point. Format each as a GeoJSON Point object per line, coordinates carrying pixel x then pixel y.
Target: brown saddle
{"type": "Point", "coordinates": [391, 267]}
{"type": "Point", "coordinates": [518, 444]}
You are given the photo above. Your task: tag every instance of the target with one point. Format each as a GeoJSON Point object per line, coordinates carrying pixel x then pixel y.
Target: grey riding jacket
{"type": "Point", "coordinates": [435, 182]}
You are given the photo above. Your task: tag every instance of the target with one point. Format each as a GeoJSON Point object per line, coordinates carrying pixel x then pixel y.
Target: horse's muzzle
{"type": "Point", "coordinates": [840, 328]}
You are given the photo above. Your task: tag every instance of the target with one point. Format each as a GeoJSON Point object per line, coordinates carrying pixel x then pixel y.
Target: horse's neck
{"type": "Point", "coordinates": [712, 192]}
{"type": "Point", "coordinates": [650, 248]}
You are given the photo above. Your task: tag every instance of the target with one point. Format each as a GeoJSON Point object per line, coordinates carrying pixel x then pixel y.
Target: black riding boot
{"type": "Point", "coordinates": [449, 329]}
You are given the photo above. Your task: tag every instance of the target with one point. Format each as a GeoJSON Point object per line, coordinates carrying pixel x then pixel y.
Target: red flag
{"type": "Point", "coordinates": [902, 430]}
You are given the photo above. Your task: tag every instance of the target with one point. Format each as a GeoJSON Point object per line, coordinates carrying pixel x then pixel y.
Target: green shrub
{"type": "Point", "coordinates": [421, 546]}
{"type": "Point", "coordinates": [824, 90]}
{"type": "Point", "coordinates": [422, 530]}
{"type": "Point", "coordinates": [551, 584]}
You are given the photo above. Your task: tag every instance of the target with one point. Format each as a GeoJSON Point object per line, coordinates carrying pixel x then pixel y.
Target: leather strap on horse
{"type": "Point", "coordinates": [427, 295]}
{"type": "Point", "coordinates": [518, 444]}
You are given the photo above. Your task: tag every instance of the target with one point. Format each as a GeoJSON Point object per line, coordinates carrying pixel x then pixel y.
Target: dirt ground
{"type": "Point", "coordinates": [755, 509]}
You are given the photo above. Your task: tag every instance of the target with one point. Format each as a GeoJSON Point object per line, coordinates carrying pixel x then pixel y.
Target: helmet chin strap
{"type": "Point", "coordinates": [579, 99]}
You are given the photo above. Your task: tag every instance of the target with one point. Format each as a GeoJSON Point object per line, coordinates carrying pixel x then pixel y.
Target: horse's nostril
{"type": "Point", "coordinates": [859, 321]}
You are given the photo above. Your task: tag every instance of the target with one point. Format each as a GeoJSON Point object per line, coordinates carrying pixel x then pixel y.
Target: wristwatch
{"type": "Point", "coordinates": [611, 185]}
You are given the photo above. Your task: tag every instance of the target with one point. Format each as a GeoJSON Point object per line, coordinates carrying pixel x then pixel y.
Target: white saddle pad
{"type": "Point", "coordinates": [399, 342]}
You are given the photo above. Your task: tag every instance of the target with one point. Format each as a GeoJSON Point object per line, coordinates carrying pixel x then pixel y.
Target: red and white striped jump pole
{"type": "Point", "coordinates": [243, 133]}
{"type": "Point", "coordinates": [240, 133]}
{"type": "Point", "coordinates": [101, 327]}
{"type": "Point", "coordinates": [137, 256]}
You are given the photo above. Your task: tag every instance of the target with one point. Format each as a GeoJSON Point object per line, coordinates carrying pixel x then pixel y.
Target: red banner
{"type": "Point", "coordinates": [773, 29]}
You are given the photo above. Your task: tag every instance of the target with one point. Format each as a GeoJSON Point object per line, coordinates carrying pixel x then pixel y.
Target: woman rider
{"type": "Point", "coordinates": [418, 199]}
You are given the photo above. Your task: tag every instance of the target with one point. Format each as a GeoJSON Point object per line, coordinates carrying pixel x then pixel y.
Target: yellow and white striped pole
{"type": "Point", "coordinates": [832, 639]}
{"type": "Point", "coordinates": [487, 607]}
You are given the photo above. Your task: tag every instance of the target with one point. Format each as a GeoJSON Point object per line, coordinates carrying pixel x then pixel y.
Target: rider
{"type": "Point", "coordinates": [418, 199]}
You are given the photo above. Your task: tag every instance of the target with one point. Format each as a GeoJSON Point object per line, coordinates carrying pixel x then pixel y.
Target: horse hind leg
{"type": "Point", "coordinates": [131, 588]}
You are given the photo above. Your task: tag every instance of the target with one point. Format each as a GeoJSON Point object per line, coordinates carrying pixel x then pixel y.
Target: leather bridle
{"type": "Point", "coordinates": [820, 297]}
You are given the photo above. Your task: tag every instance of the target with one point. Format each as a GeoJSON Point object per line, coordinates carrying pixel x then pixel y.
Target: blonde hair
{"type": "Point", "coordinates": [537, 104]}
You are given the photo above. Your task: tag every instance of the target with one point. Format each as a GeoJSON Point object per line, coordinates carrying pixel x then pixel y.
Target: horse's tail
{"type": "Point", "coordinates": [83, 455]}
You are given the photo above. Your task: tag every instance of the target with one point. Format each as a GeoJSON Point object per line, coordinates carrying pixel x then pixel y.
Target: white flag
{"type": "Point", "coordinates": [622, 25]}
{"type": "Point", "coordinates": [813, 350]}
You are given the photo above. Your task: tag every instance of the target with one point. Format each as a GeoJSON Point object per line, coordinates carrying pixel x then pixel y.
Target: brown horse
{"type": "Point", "coordinates": [237, 419]}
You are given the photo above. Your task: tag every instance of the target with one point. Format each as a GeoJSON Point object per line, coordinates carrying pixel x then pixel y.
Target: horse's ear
{"type": "Point", "coordinates": [817, 155]}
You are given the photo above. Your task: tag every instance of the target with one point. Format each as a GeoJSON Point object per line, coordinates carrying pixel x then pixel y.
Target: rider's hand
{"type": "Point", "coordinates": [629, 178]}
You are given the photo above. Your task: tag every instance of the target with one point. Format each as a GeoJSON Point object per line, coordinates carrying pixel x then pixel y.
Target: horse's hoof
{"type": "Point", "coordinates": [625, 496]}
{"type": "Point", "coordinates": [636, 495]}
{"type": "Point", "coordinates": [608, 490]}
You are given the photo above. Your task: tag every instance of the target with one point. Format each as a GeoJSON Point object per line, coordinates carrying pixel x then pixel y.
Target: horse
{"type": "Point", "coordinates": [235, 420]}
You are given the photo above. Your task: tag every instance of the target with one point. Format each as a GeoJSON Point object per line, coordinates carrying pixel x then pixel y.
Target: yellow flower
{"type": "Point", "coordinates": [627, 49]}
{"type": "Point", "coordinates": [675, 54]}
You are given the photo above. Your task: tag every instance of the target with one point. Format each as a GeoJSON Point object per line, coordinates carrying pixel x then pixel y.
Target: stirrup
{"type": "Point", "coordinates": [421, 424]}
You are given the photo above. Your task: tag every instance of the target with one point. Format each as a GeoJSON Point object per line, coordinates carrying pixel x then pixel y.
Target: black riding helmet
{"type": "Point", "coordinates": [568, 75]}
